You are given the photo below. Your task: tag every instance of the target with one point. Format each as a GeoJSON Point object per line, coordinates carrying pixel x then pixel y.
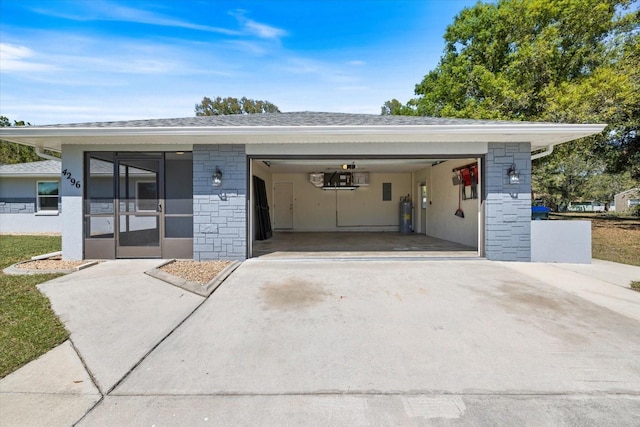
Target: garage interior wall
{"type": "Point", "coordinates": [363, 209]}
{"type": "Point", "coordinates": [443, 202]}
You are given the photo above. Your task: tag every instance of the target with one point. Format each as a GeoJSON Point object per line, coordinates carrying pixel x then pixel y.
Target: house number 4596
{"type": "Point", "coordinates": [74, 182]}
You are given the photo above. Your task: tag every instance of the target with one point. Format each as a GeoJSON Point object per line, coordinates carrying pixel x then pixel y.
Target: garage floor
{"type": "Point", "coordinates": [358, 244]}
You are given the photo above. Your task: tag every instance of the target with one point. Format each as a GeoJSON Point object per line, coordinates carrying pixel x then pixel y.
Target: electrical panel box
{"type": "Point", "coordinates": [361, 179]}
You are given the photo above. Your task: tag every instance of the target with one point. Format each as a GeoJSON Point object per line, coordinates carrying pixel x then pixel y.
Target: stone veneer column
{"type": "Point", "coordinates": [507, 207]}
{"type": "Point", "coordinates": [219, 214]}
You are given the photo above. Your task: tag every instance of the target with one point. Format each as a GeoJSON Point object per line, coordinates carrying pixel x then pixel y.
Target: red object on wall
{"type": "Point", "coordinates": [466, 177]}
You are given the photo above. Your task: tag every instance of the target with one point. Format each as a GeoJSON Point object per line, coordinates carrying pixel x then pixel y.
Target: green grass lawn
{"type": "Point", "coordinates": [28, 325]}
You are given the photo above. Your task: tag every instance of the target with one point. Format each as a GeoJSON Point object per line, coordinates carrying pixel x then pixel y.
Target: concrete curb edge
{"type": "Point", "coordinates": [14, 270]}
{"type": "Point", "coordinates": [188, 285]}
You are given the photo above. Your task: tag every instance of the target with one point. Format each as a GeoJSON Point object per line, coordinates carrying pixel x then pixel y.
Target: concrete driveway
{"type": "Point", "coordinates": [384, 342]}
{"type": "Point", "coordinates": [389, 342]}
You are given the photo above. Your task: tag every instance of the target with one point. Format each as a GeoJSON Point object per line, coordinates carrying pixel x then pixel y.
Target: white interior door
{"type": "Point", "coordinates": [283, 205]}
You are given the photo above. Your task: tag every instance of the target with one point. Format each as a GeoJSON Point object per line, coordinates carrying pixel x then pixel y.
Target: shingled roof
{"type": "Point", "coordinates": [44, 168]}
{"type": "Point", "coordinates": [304, 118]}
{"type": "Point", "coordinates": [298, 128]}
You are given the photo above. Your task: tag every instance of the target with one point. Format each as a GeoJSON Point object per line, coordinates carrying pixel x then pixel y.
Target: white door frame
{"type": "Point", "coordinates": [276, 207]}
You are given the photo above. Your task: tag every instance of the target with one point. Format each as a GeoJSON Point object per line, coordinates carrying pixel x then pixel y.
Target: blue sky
{"type": "Point", "coordinates": [97, 60]}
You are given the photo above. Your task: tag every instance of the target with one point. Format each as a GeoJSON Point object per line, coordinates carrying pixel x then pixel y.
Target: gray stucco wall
{"type": "Point", "coordinates": [561, 241]}
{"type": "Point", "coordinates": [507, 234]}
{"type": "Point", "coordinates": [219, 214]}
{"type": "Point", "coordinates": [18, 195]}
{"type": "Point", "coordinates": [18, 212]}
{"type": "Point", "coordinates": [72, 213]}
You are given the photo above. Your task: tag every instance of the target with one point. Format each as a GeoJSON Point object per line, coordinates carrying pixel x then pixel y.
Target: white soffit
{"type": "Point", "coordinates": [539, 135]}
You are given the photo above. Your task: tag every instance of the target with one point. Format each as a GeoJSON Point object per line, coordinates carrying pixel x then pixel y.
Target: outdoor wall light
{"type": "Point", "coordinates": [217, 178]}
{"type": "Point", "coordinates": [514, 175]}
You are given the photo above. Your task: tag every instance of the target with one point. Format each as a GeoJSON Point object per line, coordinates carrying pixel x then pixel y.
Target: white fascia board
{"type": "Point", "coordinates": [539, 134]}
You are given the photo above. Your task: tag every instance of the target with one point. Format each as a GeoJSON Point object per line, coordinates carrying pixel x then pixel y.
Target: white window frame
{"type": "Point", "coordinates": [41, 211]}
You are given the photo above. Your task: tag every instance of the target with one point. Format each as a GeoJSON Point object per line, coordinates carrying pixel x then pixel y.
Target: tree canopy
{"type": "Point", "coordinates": [571, 61]}
{"type": "Point", "coordinates": [222, 106]}
{"type": "Point", "coordinates": [11, 153]}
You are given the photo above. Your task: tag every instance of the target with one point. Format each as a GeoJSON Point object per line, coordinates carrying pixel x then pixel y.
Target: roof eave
{"type": "Point", "coordinates": [539, 134]}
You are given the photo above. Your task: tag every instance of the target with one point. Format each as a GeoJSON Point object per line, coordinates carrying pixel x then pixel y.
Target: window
{"type": "Point", "coordinates": [146, 196]}
{"type": "Point", "coordinates": [48, 198]}
{"type": "Point", "coordinates": [423, 195]}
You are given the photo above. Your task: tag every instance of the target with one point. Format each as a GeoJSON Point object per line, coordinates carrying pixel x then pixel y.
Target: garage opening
{"type": "Point", "coordinates": [366, 205]}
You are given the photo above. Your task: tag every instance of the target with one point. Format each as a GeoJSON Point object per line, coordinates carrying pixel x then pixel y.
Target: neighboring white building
{"type": "Point", "coordinates": [208, 187]}
{"type": "Point", "coordinates": [586, 207]}
{"type": "Point", "coordinates": [625, 200]}
{"type": "Point", "coordinates": [30, 197]}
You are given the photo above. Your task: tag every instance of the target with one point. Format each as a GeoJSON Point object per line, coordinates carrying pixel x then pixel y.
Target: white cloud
{"type": "Point", "coordinates": [249, 46]}
{"type": "Point", "coordinates": [15, 58]}
{"type": "Point", "coordinates": [107, 11]}
{"type": "Point", "coordinates": [258, 29]}
{"type": "Point", "coordinates": [357, 63]}
{"type": "Point", "coordinates": [334, 73]}
{"type": "Point", "coordinates": [264, 31]}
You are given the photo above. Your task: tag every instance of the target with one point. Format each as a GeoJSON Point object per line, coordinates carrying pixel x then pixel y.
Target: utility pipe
{"type": "Point", "coordinates": [548, 150]}
{"type": "Point", "coordinates": [44, 155]}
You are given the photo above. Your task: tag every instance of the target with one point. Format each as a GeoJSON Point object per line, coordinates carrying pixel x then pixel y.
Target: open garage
{"type": "Point", "coordinates": [367, 204]}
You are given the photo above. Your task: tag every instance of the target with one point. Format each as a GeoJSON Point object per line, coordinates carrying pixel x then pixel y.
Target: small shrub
{"type": "Point", "coordinates": [635, 211]}
{"type": "Point", "coordinates": [635, 286]}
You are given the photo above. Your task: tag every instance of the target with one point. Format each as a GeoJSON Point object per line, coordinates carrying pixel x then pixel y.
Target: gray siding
{"type": "Point", "coordinates": [508, 207]}
{"type": "Point", "coordinates": [18, 207]}
{"type": "Point", "coordinates": [18, 195]}
{"type": "Point", "coordinates": [219, 214]}
{"type": "Point", "coordinates": [26, 205]}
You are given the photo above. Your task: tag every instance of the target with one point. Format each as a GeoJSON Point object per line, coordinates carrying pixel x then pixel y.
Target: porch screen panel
{"type": "Point", "coordinates": [178, 212]}
{"type": "Point", "coordinates": [99, 196]}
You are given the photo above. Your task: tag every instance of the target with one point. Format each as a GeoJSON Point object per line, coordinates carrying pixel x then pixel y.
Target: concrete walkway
{"type": "Point", "coordinates": [351, 342]}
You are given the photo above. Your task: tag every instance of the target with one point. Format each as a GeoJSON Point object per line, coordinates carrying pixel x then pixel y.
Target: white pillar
{"type": "Point", "coordinates": [72, 188]}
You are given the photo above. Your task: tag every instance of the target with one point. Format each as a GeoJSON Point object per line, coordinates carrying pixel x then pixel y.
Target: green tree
{"type": "Point", "coordinates": [503, 60]}
{"type": "Point", "coordinates": [223, 106]}
{"type": "Point", "coordinates": [393, 107]}
{"type": "Point", "coordinates": [545, 60]}
{"type": "Point", "coordinates": [10, 152]}
{"type": "Point", "coordinates": [571, 175]}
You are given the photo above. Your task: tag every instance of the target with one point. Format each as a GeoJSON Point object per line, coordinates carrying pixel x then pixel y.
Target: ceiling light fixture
{"type": "Point", "coordinates": [347, 166]}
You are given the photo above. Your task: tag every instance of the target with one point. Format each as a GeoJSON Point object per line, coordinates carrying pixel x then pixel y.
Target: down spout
{"type": "Point", "coordinates": [44, 155]}
{"type": "Point", "coordinates": [548, 150]}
